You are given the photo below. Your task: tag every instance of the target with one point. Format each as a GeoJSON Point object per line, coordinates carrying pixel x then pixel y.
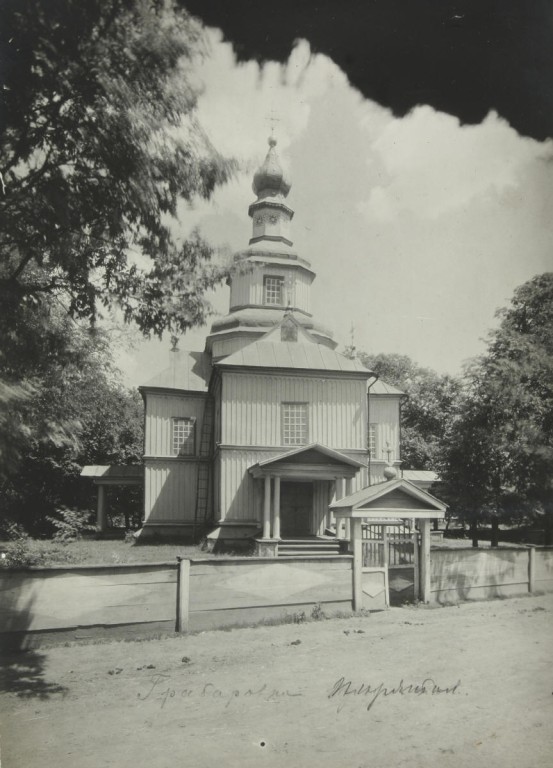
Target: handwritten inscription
{"type": "Point", "coordinates": [372, 693]}
{"type": "Point", "coordinates": [162, 690]}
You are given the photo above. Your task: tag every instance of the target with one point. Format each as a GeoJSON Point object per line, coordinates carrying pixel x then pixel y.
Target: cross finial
{"type": "Point", "coordinates": [388, 452]}
{"type": "Point", "coordinates": [272, 119]}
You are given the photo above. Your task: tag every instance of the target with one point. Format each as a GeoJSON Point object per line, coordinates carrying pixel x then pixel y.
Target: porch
{"type": "Point", "coordinates": [298, 487]}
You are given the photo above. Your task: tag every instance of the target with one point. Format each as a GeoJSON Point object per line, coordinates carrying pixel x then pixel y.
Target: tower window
{"type": "Point", "coordinates": [294, 423]}
{"type": "Point", "coordinates": [184, 433]}
{"type": "Point", "coordinates": [274, 290]}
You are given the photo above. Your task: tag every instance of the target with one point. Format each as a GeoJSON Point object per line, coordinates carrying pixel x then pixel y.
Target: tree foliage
{"type": "Point", "coordinates": [498, 457]}
{"type": "Point", "coordinates": [426, 409]}
{"type": "Point", "coordinates": [99, 145]}
{"type": "Point", "coordinates": [72, 410]}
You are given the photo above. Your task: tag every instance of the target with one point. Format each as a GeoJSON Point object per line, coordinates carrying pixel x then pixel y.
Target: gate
{"type": "Point", "coordinates": [392, 546]}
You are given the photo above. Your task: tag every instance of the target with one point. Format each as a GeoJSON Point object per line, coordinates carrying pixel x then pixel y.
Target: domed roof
{"type": "Point", "coordinates": [270, 179]}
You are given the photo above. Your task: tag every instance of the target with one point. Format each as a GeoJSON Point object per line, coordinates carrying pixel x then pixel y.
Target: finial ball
{"type": "Point", "coordinates": [272, 141]}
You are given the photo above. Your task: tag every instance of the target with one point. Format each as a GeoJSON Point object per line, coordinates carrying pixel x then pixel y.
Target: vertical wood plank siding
{"type": "Point", "coordinates": [161, 409]}
{"type": "Point", "coordinates": [247, 287]}
{"type": "Point", "coordinates": [337, 410]}
{"type": "Point", "coordinates": [385, 414]}
{"type": "Point", "coordinates": [170, 491]}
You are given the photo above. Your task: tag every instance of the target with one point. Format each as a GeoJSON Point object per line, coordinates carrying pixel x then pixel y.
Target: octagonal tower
{"type": "Point", "coordinates": [268, 278]}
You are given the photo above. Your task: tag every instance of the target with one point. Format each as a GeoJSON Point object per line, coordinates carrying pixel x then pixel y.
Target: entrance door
{"type": "Point", "coordinates": [296, 508]}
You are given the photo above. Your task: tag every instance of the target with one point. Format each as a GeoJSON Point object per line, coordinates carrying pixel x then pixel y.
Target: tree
{"type": "Point", "coordinates": [74, 411]}
{"type": "Point", "coordinates": [99, 146]}
{"type": "Point", "coordinates": [498, 457]}
{"type": "Point", "coordinates": [426, 410]}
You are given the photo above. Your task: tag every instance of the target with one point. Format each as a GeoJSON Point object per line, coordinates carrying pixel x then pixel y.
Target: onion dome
{"type": "Point", "coordinates": [269, 179]}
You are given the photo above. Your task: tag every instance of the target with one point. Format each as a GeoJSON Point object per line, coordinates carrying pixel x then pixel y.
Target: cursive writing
{"type": "Point", "coordinates": [428, 686]}
{"type": "Point", "coordinates": [162, 690]}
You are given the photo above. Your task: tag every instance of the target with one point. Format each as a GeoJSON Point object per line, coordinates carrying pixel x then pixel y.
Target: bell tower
{"type": "Point", "coordinates": [268, 278]}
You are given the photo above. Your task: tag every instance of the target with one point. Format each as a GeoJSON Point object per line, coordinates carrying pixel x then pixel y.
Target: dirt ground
{"type": "Point", "coordinates": [419, 687]}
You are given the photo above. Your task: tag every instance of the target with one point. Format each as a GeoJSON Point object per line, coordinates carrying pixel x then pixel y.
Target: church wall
{"type": "Point", "coordinates": [337, 409]}
{"type": "Point", "coordinates": [241, 495]}
{"type": "Point", "coordinates": [384, 413]}
{"type": "Point", "coordinates": [170, 491]}
{"type": "Point", "coordinates": [169, 481]}
{"type": "Point", "coordinates": [247, 286]}
{"type": "Point", "coordinates": [160, 409]}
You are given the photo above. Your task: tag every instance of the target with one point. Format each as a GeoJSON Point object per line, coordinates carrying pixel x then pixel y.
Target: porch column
{"type": "Point", "coordinates": [276, 508]}
{"type": "Point", "coordinates": [425, 561]}
{"type": "Point", "coordinates": [348, 523]}
{"type": "Point", "coordinates": [101, 518]}
{"type": "Point", "coordinates": [267, 509]}
{"type": "Point", "coordinates": [416, 566]}
{"type": "Point", "coordinates": [357, 563]}
{"type": "Point", "coordinates": [339, 486]}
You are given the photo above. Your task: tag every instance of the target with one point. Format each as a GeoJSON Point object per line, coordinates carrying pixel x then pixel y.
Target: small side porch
{"type": "Point", "coordinates": [297, 487]}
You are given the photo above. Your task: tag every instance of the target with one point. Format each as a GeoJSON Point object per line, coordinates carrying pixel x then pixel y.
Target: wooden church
{"type": "Point", "coordinates": [255, 438]}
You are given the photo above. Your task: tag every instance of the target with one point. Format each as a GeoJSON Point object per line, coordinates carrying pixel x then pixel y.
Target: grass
{"type": "Point", "coordinates": [45, 553]}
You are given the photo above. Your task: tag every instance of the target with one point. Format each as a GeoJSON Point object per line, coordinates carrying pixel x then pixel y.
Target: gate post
{"type": "Point", "coordinates": [425, 561]}
{"type": "Point", "coordinates": [416, 564]}
{"type": "Point", "coordinates": [355, 528]}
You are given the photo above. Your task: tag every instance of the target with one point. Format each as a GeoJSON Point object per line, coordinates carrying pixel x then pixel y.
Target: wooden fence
{"type": "Point", "coordinates": [80, 600]}
{"type": "Point", "coordinates": [220, 592]}
{"type": "Point", "coordinates": [231, 591]}
{"type": "Point", "coordinates": [469, 574]}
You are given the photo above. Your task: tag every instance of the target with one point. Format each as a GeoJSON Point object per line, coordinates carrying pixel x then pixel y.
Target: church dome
{"type": "Point", "coordinates": [270, 179]}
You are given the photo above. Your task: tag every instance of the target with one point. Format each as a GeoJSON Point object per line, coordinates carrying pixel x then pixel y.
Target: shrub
{"type": "Point", "coordinates": [71, 524]}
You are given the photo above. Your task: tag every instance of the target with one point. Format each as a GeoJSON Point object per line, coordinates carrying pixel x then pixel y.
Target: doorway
{"type": "Point", "coordinates": [296, 509]}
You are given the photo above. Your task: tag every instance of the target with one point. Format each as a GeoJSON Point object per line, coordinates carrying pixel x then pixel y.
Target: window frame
{"type": "Point", "coordinates": [280, 280]}
{"type": "Point", "coordinates": [176, 450]}
{"type": "Point", "coordinates": [305, 440]}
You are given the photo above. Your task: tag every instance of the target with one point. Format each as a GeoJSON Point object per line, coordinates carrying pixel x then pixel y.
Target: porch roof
{"type": "Point", "coordinates": [308, 462]}
{"type": "Point", "coordinates": [112, 474]}
{"type": "Point", "coordinates": [391, 499]}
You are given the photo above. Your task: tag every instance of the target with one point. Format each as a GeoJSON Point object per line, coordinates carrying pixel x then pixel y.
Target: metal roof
{"type": "Point", "coordinates": [189, 371]}
{"type": "Point", "coordinates": [383, 388]}
{"type": "Point", "coordinates": [373, 492]}
{"type": "Point", "coordinates": [420, 475]}
{"type": "Point", "coordinates": [113, 471]}
{"type": "Point", "coordinates": [291, 354]}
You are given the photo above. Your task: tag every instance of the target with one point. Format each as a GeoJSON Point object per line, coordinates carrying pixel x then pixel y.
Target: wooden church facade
{"type": "Point", "coordinates": [260, 433]}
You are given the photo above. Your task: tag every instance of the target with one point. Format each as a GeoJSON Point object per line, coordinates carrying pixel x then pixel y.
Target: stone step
{"type": "Point", "coordinates": [314, 548]}
{"type": "Point", "coordinates": [310, 542]}
{"type": "Point", "coordinates": [307, 553]}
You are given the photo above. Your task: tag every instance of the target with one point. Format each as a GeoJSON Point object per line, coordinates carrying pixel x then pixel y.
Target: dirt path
{"type": "Point", "coordinates": [264, 696]}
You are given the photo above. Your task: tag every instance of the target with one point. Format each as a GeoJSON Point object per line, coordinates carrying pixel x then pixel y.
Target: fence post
{"type": "Point", "coordinates": [416, 564]}
{"type": "Point", "coordinates": [424, 583]}
{"type": "Point", "coordinates": [357, 563]}
{"type": "Point", "coordinates": [531, 569]}
{"type": "Point", "coordinates": [183, 595]}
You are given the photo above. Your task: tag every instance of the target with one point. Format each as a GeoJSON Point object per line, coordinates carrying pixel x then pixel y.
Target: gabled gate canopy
{"type": "Point", "coordinates": [313, 461]}
{"type": "Point", "coordinates": [393, 499]}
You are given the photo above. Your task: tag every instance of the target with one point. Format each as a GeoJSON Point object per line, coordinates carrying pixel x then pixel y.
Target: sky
{"type": "Point", "coordinates": [419, 227]}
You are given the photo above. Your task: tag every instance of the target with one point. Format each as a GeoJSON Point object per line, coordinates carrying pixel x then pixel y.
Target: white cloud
{"type": "Point", "coordinates": [434, 165]}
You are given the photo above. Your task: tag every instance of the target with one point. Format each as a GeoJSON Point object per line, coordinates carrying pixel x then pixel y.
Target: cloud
{"type": "Point", "coordinates": [432, 164]}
